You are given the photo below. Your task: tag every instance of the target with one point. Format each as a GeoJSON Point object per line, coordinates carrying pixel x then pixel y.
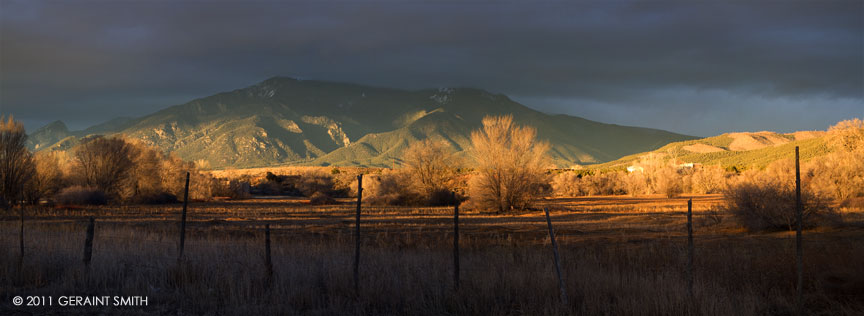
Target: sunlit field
{"type": "Point", "coordinates": [619, 255]}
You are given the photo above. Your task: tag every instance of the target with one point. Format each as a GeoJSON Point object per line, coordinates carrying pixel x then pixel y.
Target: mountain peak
{"type": "Point", "coordinates": [279, 79]}
{"type": "Point", "coordinates": [56, 126]}
{"type": "Point", "coordinates": [47, 135]}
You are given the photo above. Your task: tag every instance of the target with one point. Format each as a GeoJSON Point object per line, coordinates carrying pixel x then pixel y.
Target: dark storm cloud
{"type": "Point", "coordinates": [724, 65]}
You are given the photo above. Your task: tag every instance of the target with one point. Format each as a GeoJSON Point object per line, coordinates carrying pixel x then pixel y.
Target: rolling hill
{"type": "Point", "coordinates": [739, 150]}
{"type": "Point", "coordinates": [284, 121]}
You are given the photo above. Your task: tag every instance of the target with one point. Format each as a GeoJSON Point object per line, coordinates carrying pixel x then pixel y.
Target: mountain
{"type": "Point", "coordinates": [289, 121]}
{"type": "Point", "coordinates": [739, 150]}
{"type": "Point", "coordinates": [48, 135]}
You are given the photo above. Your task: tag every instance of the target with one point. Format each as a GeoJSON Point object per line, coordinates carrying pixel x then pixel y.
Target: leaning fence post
{"type": "Point", "coordinates": [267, 251]}
{"type": "Point", "coordinates": [798, 241]}
{"type": "Point", "coordinates": [357, 235]}
{"type": "Point", "coordinates": [455, 242]}
{"type": "Point", "coordinates": [88, 242]}
{"type": "Point", "coordinates": [183, 218]}
{"type": "Point", "coordinates": [690, 247]}
{"type": "Point", "coordinates": [557, 259]}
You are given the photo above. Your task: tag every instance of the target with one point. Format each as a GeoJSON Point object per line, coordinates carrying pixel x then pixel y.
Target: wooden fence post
{"type": "Point", "coordinates": [267, 251]}
{"type": "Point", "coordinates": [455, 242]}
{"type": "Point", "coordinates": [690, 247]}
{"type": "Point", "coordinates": [798, 241]}
{"type": "Point", "coordinates": [557, 258]}
{"type": "Point", "coordinates": [88, 242]}
{"type": "Point", "coordinates": [357, 235]}
{"type": "Point", "coordinates": [21, 241]}
{"type": "Point", "coordinates": [183, 218]}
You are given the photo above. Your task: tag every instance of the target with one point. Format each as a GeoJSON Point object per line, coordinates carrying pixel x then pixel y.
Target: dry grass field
{"type": "Point", "coordinates": [619, 256]}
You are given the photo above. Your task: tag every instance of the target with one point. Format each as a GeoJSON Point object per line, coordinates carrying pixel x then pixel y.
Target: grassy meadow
{"type": "Point", "coordinates": [619, 256]}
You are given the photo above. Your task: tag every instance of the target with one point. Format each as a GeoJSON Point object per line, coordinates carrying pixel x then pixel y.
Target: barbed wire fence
{"type": "Point", "coordinates": [94, 241]}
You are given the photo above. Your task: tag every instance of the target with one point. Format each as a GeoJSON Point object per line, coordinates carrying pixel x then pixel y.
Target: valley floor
{"type": "Point", "coordinates": [619, 255]}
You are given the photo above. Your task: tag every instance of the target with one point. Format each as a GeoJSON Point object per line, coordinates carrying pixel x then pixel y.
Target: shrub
{"type": "Point", "coordinates": [713, 216]}
{"type": "Point", "coordinates": [314, 182]}
{"type": "Point", "coordinates": [81, 195]}
{"type": "Point", "coordinates": [605, 183]}
{"type": "Point", "coordinates": [839, 174]}
{"type": "Point", "coordinates": [771, 206]}
{"type": "Point", "coordinates": [269, 188]}
{"type": "Point", "coordinates": [319, 198]}
{"type": "Point", "coordinates": [668, 181]}
{"type": "Point", "coordinates": [636, 183]}
{"type": "Point", "coordinates": [431, 169]}
{"type": "Point", "coordinates": [155, 198]}
{"type": "Point", "coordinates": [442, 197]}
{"type": "Point", "coordinates": [708, 179]}
{"type": "Point", "coordinates": [388, 188]}
{"type": "Point", "coordinates": [234, 189]}
{"type": "Point", "coordinates": [567, 184]}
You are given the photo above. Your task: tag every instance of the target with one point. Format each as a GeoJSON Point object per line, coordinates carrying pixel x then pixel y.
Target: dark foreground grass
{"type": "Point", "coordinates": [409, 272]}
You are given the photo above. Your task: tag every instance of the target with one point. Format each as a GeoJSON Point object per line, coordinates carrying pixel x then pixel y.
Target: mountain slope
{"type": "Point", "coordinates": [290, 121]}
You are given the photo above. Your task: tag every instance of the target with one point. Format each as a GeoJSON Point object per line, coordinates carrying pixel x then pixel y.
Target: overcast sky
{"type": "Point", "coordinates": [694, 67]}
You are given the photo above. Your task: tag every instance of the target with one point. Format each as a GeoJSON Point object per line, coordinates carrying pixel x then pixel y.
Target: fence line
{"type": "Point", "coordinates": [91, 236]}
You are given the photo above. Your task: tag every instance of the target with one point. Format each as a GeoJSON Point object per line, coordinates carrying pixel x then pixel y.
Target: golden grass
{"type": "Point", "coordinates": [620, 255]}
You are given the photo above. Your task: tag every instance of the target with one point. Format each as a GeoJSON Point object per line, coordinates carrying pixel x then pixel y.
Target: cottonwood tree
{"type": "Point", "coordinates": [16, 162]}
{"type": "Point", "coordinates": [431, 168]}
{"type": "Point", "coordinates": [510, 164]}
{"type": "Point", "coordinates": [104, 163]}
{"type": "Point", "coordinates": [48, 177]}
{"type": "Point", "coordinates": [847, 136]}
{"type": "Point", "coordinates": [840, 174]}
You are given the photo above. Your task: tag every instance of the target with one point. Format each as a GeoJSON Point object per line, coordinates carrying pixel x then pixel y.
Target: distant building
{"type": "Point", "coordinates": [635, 168]}
{"type": "Point", "coordinates": [689, 165]}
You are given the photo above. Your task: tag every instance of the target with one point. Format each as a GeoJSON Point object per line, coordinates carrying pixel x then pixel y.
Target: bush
{"type": "Point", "coordinates": [234, 189]}
{"type": "Point", "coordinates": [771, 206]}
{"type": "Point", "coordinates": [567, 184]}
{"type": "Point", "coordinates": [606, 183]}
{"type": "Point", "coordinates": [80, 195]}
{"type": "Point", "coordinates": [430, 167]}
{"type": "Point", "coordinates": [155, 198]}
{"type": "Point", "coordinates": [319, 198]}
{"type": "Point", "coordinates": [713, 216]}
{"type": "Point", "coordinates": [668, 181]}
{"type": "Point", "coordinates": [707, 180]}
{"type": "Point", "coordinates": [442, 197]}
{"type": "Point", "coordinates": [388, 188]}
{"type": "Point", "coordinates": [314, 182]}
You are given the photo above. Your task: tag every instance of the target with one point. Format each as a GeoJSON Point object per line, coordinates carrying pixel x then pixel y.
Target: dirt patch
{"type": "Point", "coordinates": [804, 135]}
{"type": "Point", "coordinates": [702, 148]}
{"type": "Point", "coordinates": [751, 141]}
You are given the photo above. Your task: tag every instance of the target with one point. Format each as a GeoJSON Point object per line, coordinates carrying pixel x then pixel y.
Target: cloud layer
{"type": "Point", "coordinates": [694, 67]}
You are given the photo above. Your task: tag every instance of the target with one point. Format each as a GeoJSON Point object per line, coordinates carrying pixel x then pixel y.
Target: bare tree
{"type": "Point", "coordinates": [145, 177]}
{"type": "Point", "coordinates": [431, 167]}
{"type": "Point", "coordinates": [840, 173]}
{"type": "Point", "coordinates": [510, 163]}
{"type": "Point", "coordinates": [47, 178]}
{"type": "Point", "coordinates": [847, 136]}
{"type": "Point", "coordinates": [104, 163]}
{"type": "Point", "coordinates": [16, 162]}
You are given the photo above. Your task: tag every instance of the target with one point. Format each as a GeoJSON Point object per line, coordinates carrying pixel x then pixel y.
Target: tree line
{"type": "Point", "coordinates": [505, 171]}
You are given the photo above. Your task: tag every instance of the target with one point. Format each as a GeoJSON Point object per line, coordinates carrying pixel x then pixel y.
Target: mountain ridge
{"type": "Point", "coordinates": [308, 122]}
